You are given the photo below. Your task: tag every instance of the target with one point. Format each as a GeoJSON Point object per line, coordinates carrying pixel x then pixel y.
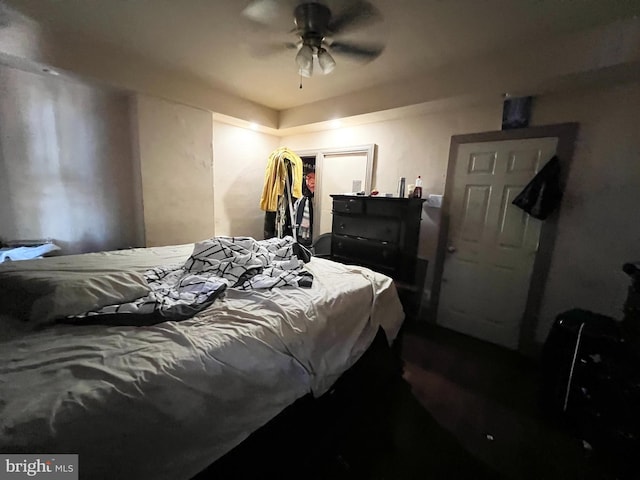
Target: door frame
{"type": "Point", "coordinates": [566, 134]}
{"type": "Point", "coordinates": [369, 150]}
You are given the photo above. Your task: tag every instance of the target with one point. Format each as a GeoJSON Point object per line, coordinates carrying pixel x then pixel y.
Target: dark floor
{"type": "Point", "coordinates": [487, 399]}
{"type": "Point", "coordinates": [463, 409]}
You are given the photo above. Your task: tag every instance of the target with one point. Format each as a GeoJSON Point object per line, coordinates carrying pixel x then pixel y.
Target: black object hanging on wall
{"type": "Point", "coordinates": [543, 193]}
{"type": "Point", "coordinates": [516, 112]}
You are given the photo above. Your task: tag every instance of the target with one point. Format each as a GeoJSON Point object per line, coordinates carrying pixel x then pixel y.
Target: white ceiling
{"type": "Point", "coordinates": [212, 41]}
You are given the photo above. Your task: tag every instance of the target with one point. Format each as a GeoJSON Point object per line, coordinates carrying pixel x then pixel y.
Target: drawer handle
{"type": "Point", "coordinates": [342, 225]}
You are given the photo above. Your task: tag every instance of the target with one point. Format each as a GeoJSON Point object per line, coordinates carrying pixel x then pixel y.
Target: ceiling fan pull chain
{"type": "Point", "coordinates": [300, 80]}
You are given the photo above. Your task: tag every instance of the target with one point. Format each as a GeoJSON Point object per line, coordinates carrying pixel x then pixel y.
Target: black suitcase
{"type": "Point", "coordinates": [575, 337]}
{"type": "Point", "coordinates": [591, 382]}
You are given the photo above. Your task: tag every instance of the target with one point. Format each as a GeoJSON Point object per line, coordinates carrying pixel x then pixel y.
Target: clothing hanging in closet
{"type": "Point", "coordinates": [275, 178]}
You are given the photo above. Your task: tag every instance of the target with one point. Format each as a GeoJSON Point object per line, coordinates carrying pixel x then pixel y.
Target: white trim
{"type": "Point", "coordinates": [369, 150]}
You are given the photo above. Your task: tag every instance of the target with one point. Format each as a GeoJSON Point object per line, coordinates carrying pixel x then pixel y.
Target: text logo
{"type": "Point", "coordinates": [47, 466]}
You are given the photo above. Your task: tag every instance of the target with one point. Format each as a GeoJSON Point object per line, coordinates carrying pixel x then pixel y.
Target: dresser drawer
{"type": "Point", "coordinates": [381, 229]}
{"type": "Point", "coordinates": [348, 205]}
{"type": "Point", "coordinates": [366, 251]}
{"type": "Point", "coordinates": [386, 208]}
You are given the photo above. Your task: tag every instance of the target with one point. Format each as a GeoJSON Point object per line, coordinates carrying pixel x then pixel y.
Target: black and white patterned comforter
{"type": "Point", "coordinates": [180, 291]}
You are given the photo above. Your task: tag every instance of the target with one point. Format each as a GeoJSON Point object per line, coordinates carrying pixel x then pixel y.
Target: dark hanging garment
{"type": "Point", "coordinates": [304, 220]}
{"type": "Point", "coordinates": [277, 223]}
{"type": "Point", "coordinates": [269, 225]}
{"type": "Point", "coordinates": [543, 193]}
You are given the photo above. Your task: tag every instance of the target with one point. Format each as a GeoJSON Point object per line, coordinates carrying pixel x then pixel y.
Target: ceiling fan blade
{"type": "Point", "coordinates": [276, 14]}
{"type": "Point", "coordinates": [265, 49]}
{"type": "Point", "coordinates": [358, 13]}
{"type": "Point", "coordinates": [359, 52]}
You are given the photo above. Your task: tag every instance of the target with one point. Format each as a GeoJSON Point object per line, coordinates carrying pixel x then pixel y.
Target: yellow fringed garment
{"type": "Point", "coordinates": [275, 177]}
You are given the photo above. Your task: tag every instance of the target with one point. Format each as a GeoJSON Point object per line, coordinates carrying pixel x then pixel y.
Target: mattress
{"type": "Point", "coordinates": [165, 401]}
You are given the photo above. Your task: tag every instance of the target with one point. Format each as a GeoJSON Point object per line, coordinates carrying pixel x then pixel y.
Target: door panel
{"type": "Point", "coordinates": [482, 162]}
{"type": "Point", "coordinates": [513, 221]}
{"type": "Point", "coordinates": [491, 243]}
{"type": "Point", "coordinates": [474, 213]}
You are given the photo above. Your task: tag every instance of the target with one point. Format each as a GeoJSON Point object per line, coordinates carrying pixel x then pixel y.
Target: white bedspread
{"type": "Point", "coordinates": [163, 402]}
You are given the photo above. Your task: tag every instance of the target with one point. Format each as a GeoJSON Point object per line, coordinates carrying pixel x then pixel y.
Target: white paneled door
{"type": "Point", "coordinates": [492, 244]}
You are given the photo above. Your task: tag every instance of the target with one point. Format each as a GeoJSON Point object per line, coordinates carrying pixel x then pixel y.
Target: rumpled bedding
{"type": "Point", "coordinates": [180, 291]}
{"type": "Point", "coordinates": [165, 401]}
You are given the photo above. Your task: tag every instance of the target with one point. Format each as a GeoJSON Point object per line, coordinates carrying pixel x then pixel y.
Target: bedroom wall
{"type": "Point", "coordinates": [66, 163]}
{"type": "Point", "coordinates": [27, 44]}
{"type": "Point", "coordinates": [240, 159]}
{"type": "Point", "coordinates": [175, 154]}
{"type": "Point", "coordinates": [408, 147]}
{"type": "Point", "coordinates": [598, 227]}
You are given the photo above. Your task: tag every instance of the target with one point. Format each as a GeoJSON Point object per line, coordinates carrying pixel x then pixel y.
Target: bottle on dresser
{"type": "Point", "coordinates": [417, 191]}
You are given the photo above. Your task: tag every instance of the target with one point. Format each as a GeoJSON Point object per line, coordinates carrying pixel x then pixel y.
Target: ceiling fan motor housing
{"type": "Point", "coordinates": [312, 22]}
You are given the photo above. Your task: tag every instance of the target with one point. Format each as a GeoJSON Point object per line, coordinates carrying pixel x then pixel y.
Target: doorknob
{"type": "Point", "coordinates": [451, 249]}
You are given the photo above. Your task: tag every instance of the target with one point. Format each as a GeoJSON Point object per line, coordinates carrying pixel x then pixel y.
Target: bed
{"type": "Point", "coordinates": [164, 401]}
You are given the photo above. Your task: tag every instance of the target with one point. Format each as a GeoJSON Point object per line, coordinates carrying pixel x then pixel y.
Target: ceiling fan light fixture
{"type": "Point", "coordinates": [326, 61]}
{"type": "Point", "coordinates": [304, 58]}
{"type": "Point", "coordinates": [306, 72]}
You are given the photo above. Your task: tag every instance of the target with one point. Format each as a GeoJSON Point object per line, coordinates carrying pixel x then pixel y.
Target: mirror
{"type": "Point", "coordinates": [337, 171]}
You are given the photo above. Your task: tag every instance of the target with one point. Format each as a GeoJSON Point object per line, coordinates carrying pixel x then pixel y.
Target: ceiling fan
{"type": "Point", "coordinates": [317, 29]}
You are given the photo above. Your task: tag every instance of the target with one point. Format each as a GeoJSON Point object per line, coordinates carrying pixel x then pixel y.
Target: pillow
{"type": "Point", "coordinates": [41, 301]}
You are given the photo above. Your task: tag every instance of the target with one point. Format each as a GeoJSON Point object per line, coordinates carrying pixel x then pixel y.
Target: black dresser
{"type": "Point", "coordinates": [381, 233]}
